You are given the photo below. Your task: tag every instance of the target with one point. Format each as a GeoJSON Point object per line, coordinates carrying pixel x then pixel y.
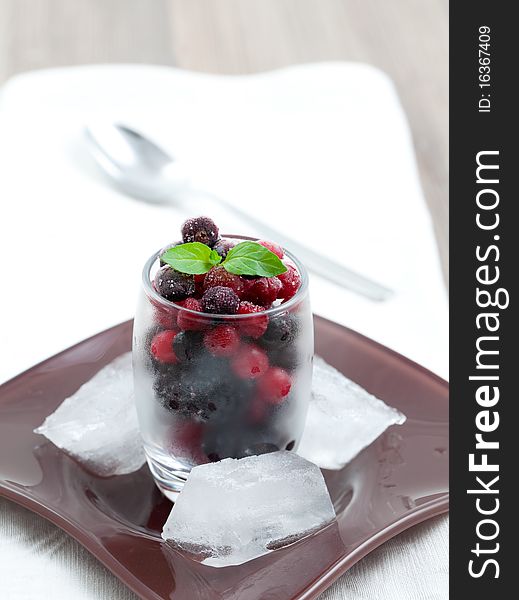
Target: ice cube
{"type": "Point", "coordinates": [235, 510]}
{"type": "Point", "coordinates": [342, 420]}
{"type": "Point", "coordinates": [98, 424]}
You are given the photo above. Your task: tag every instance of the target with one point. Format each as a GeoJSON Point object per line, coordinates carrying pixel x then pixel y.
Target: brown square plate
{"type": "Point", "coordinates": [398, 481]}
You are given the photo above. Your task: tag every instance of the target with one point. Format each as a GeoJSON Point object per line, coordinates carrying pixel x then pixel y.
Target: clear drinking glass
{"type": "Point", "coordinates": [197, 408]}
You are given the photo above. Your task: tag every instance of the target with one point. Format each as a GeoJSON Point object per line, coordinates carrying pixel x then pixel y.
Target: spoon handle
{"type": "Point", "coordinates": [315, 262]}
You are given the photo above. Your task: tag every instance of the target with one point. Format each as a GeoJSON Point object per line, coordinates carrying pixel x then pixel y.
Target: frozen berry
{"type": "Point", "coordinates": [263, 290]}
{"type": "Point", "coordinates": [290, 282]}
{"type": "Point", "coordinates": [219, 276]}
{"type": "Point", "coordinates": [186, 438]}
{"type": "Point", "coordinates": [223, 340]}
{"type": "Point", "coordinates": [261, 448]}
{"type": "Point", "coordinates": [275, 385]}
{"type": "Point", "coordinates": [173, 285]}
{"type": "Point", "coordinates": [188, 346]}
{"type": "Point", "coordinates": [253, 327]}
{"type": "Point", "coordinates": [250, 363]}
{"type": "Point", "coordinates": [281, 331]}
{"type": "Point", "coordinates": [220, 300]}
{"type": "Point", "coordinates": [200, 229]}
{"type": "Point", "coordinates": [290, 445]}
{"type": "Point", "coordinates": [287, 357]}
{"type": "Point", "coordinates": [161, 347]}
{"type": "Point", "coordinates": [199, 284]}
{"type": "Point", "coordinates": [273, 247]}
{"type": "Point", "coordinates": [223, 247]}
{"type": "Point", "coordinates": [188, 321]}
{"type": "Point", "coordinates": [162, 263]}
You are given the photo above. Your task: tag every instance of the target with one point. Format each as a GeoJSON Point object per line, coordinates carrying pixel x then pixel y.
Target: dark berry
{"type": "Point", "coordinates": [220, 300]}
{"type": "Point", "coordinates": [290, 282]}
{"type": "Point", "coordinates": [162, 263]}
{"type": "Point", "coordinates": [261, 448]}
{"type": "Point", "coordinates": [188, 346]}
{"type": "Point", "coordinates": [200, 229]}
{"type": "Point", "coordinates": [161, 347]}
{"type": "Point", "coordinates": [250, 363]}
{"type": "Point", "coordinates": [286, 357]}
{"type": "Point", "coordinates": [253, 327]}
{"type": "Point", "coordinates": [223, 340]}
{"type": "Point", "coordinates": [263, 290]}
{"type": "Point", "coordinates": [290, 445]}
{"type": "Point", "coordinates": [173, 285]}
{"type": "Point", "coordinates": [275, 385]}
{"type": "Point", "coordinates": [273, 247]}
{"type": "Point", "coordinates": [281, 331]}
{"type": "Point", "coordinates": [186, 439]}
{"type": "Point", "coordinates": [223, 247]}
{"type": "Point", "coordinates": [219, 276]}
{"type": "Point", "coordinates": [189, 321]}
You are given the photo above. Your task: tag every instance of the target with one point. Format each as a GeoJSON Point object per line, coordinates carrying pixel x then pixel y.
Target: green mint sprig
{"type": "Point", "coordinates": [246, 258]}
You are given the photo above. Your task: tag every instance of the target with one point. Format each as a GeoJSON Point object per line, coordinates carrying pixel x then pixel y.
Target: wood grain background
{"type": "Point", "coordinates": [406, 38]}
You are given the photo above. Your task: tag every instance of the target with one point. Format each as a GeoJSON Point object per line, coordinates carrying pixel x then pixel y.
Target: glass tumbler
{"type": "Point", "coordinates": [198, 405]}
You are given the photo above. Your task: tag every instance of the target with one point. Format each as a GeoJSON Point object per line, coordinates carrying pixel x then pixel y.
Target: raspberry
{"type": "Point", "coordinates": [290, 281]}
{"type": "Point", "coordinates": [273, 247]}
{"type": "Point", "coordinates": [220, 300]}
{"type": "Point", "coordinates": [250, 363]}
{"type": "Point", "coordinates": [188, 346]}
{"type": "Point", "coordinates": [263, 290]}
{"type": "Point", "coordinates": [281, 331]}
{"type": "Point", "coordinates": [199, 285]}
{"type": "Point", "coordinates": [161, 347]}
{"type": "Point", "coordinates": [173, 285]}
{"type": "Point", "coordinates": [188, 321]}
{"type": "Point", "coordinates": [275, 385]}
{"type": "Point", "coordinates": [200, 229]}
{"type": "Point", "coordinates": [218, 276]}
{"type": "Point", "coordinates": [253, 327]}
{"type": "Point", "coordinates": [223, 247]}
{"type": "Point", "coordinates": [223, 340]}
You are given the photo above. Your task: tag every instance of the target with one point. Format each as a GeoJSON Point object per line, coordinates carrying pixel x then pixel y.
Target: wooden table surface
{"type": "Point", "coordinates": [406, 38]}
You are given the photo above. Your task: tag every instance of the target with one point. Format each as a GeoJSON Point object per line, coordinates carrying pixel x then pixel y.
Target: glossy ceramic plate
{"type": "Point", "coordinates": [398, 481]}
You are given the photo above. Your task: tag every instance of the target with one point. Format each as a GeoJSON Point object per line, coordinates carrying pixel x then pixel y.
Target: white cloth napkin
{"type": "Point", "coordinates": [322, 151]}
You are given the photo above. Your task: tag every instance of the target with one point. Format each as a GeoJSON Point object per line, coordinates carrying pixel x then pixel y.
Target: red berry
{"type": "Point", "coordinates": [257, 411]}
{"type": "Point", "coordinates": [250, 363]}
{"type": "Point", "coordinates": [253, 327]}
{"type": "Point", "coordinates": [275, 385]}
{"type": "Point", "coordinates": [166, 318]}
{"type": "Point", "coordinates": [220, 276]}
{"type": "Point", "coordinates": [199, 285]}
{"type": "Point", "coordinates": [223, 340]}
{"type": "Point", "coordinates": [263, 290]}
{"type": "Point", "coordinates": [162, 347]}
{"type": "Point", "coordinates": [290, 282]}
{"type": "Point", "coordinates": [273, 247]}
{"type": "Point", "coordinates": [187, 321]}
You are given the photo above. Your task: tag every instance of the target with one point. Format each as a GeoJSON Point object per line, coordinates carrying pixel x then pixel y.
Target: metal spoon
{"type": "Point", "coordinates": [142, 169]}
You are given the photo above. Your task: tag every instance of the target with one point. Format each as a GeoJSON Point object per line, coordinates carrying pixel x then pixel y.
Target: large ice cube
{"type": "Point", "coordinates": [235, 510]}
{"type": "Point", "coordinates": [98, 424]}
{"type": "Point", "coordinates": [343, 418]}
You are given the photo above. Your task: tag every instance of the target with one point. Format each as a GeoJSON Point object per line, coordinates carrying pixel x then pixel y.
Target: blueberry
{"type": "Point", "coordinates": [188, 346]}
{"type": "Point", "coordinates": [200, 229]}
{"type": "Point", "coordinates": [173, 285]}
{"type": "Point", "coordinates": [281, 331]}
{"type": "Point", "coordinates": [286, 357]}
{"type": "Point", "coordinates": [223, 247]}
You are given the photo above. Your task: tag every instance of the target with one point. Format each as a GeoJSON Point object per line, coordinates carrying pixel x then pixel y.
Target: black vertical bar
{"type": "Point", "coordinates": [483, 123]}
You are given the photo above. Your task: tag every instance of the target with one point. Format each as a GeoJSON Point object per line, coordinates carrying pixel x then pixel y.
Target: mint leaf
{"type": "Point", "coordinates": [193, 258]}
{"type": "Point", "coordinates": [251, 258]}
{"type": "Point", "coordinates": [214, 257]}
